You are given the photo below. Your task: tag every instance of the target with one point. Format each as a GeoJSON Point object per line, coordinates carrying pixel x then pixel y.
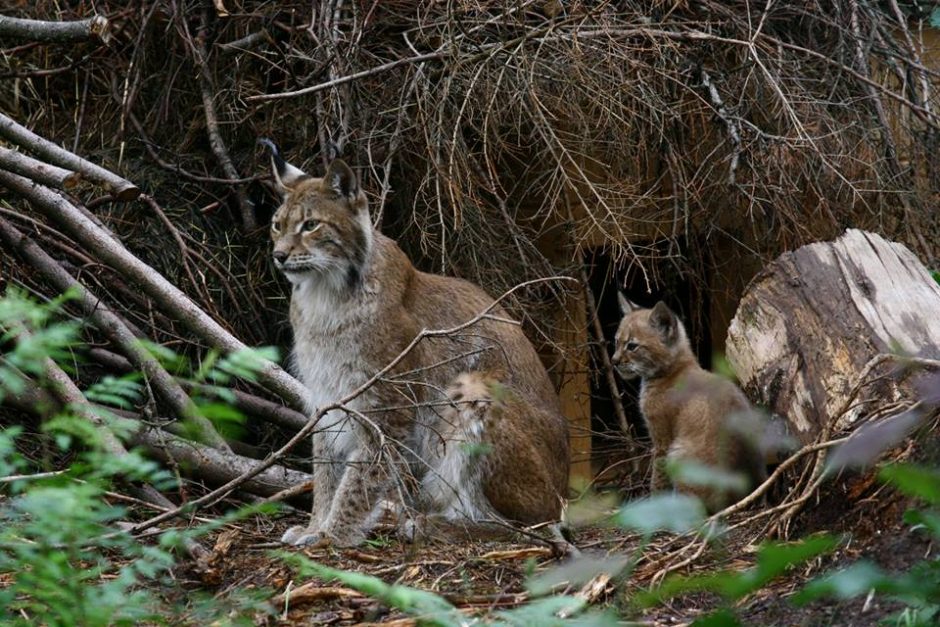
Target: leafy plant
{"type": "Point", "coordinates": [64, 559]}
{"type": "Point", "coordinates": [919, 587]}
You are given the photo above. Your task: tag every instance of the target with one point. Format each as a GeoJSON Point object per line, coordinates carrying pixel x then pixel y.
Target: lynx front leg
{"type": "Point", "coordinates": [327, 466]}
{"type": "Point", "coordinates": [363, 485]}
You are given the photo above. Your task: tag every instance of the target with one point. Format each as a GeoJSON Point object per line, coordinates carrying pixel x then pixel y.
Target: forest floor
{"type": "Point", "coordinates": [484, 576]}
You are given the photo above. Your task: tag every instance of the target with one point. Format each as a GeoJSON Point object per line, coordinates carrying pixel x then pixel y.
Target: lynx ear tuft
{"type": "Point", "coordinates": [662, 318]}
{"type": "Point", "coordinates": [286, 176]}
{"type": "Point", "coordinates": [341, 179]}
{"type": "Point", "coordinates": [625, 305]}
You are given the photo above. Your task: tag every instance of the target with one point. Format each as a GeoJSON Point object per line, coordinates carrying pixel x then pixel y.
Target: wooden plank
{"type": "Point", "coordinates": [575, 385]}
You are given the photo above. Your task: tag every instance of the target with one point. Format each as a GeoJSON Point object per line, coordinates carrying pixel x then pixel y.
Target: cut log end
{"type": "Point", "coordinates": [809, 324]}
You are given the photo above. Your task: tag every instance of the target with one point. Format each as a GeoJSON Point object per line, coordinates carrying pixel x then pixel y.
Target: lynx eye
{"type": "Point", "coordinates": [632, 346]}
{"type": "Point", "coordinates": [310, 225]}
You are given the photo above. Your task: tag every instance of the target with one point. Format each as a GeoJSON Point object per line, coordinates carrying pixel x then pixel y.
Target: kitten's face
{"type": "Point", "coordinates": [647, 341]}
{"type": "Point", "coordinates": [322, 229]}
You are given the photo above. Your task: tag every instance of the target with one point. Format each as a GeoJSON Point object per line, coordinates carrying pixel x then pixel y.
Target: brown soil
{"type": "Point", "coordinates": [481, 576]}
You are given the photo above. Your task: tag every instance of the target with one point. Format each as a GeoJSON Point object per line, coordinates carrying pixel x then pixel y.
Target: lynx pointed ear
{"type": "Point", "coordinates": [662, 318]}
{"type": "Point", "coordinates": [625, 305]}
{"type": "Point", "coordinates": [285, 175]}
{"type": "Point", "coordinates": [341, 179]}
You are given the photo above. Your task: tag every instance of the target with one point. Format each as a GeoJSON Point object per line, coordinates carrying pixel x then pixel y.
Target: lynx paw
{"type": "Point", "coordinates": [300, 535]}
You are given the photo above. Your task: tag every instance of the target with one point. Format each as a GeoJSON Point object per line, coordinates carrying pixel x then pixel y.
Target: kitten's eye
{"type": "Point", "coordinates": [632, 346]}
{"type": "Point", "coordinates": [276, 226]}
{"type": "Point", "coordinates": [310, 225]}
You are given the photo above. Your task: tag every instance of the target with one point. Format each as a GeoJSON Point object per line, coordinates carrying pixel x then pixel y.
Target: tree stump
{"type": "Point", "coordinates": [809, 324]}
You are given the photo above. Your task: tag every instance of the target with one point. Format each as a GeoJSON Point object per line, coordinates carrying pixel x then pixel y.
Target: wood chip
{"type": "Point", "coordinates": [517, 554]}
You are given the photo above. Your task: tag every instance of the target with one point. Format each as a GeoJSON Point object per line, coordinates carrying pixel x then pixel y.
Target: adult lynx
{"type": "Point", "coordinates": [692, 415]}
{"type": "Point", "coordinates": [466, 427]}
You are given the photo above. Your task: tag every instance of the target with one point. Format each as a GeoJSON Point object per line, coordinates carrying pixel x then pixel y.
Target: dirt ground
{"type": "Point", "coordinates": [481, 576]}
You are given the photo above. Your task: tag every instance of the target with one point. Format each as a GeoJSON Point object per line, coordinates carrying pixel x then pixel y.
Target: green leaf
{"type": "Point", "coordinates": [935, 22]}
{"type": "Point", "coordinates": [914, 480]}
{"type": "Point", "coordinates": [719, 618]}
{"type": "Point", "coordinates": [693, 473]}
{"type": "Point", "coordinates": [677, 513]}
{"type": "Point", "coordinates": [928, 519]}
{"type": "Point", "coordinates": [847, 583]}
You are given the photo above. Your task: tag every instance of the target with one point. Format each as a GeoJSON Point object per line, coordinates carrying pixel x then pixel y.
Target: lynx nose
{"type": "Point", "coordinates": [280, 256]}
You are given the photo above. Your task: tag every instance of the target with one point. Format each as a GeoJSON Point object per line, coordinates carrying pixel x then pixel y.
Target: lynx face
{"type": "Point", "coordinates": [322, 230]}
{"type": "Point", "coordinates": [648, 341]}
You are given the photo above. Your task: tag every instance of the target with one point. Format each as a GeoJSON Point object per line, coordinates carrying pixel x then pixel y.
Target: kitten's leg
{"type": "Point", "coordinates": [326, 476]}
{"type": "Point", "coordinates": [659, 480]}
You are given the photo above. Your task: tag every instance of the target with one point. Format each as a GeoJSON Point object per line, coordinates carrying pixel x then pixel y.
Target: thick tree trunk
{"type": "Point", "coordinates": [810, 323]}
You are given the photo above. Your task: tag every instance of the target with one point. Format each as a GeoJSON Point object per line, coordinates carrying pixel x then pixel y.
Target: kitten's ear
{"type": "Point", "coordinates": [341, 179]}
{"type": "Point", "coordinates": [286, 176]}
{"type": "Point", "coordinates": [625, 305]}
{"type": "Point", "coordinates": [662, 319]}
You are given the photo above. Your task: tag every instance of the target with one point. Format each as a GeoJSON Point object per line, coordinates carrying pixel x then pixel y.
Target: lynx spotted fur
{"type": "Point", "coordinates": [467, 427]}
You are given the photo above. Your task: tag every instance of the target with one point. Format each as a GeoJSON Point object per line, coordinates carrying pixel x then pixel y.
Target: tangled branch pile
{"type": "Point", "coordinates": [500, 141]}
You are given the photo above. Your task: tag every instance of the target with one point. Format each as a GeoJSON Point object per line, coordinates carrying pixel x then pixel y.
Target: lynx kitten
{"type": "Point", "coordinates": [692, 415]}
{"type": "Point", "coordinates": [466, 427]}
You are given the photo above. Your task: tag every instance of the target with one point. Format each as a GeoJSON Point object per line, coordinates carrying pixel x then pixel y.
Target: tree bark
{"type": "Point", "coordinates": [170, 298]}
{"type": "Point", "coordinates": [122, 189]}
{"type": "Point", "coordinates": [43, 173]}
{"type": "Point", "coordinates": [811, 322]}
{"type": "Point", "coordinates": [55, 32]}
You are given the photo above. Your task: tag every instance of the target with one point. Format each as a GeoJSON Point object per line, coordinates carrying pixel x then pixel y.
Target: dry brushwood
{"type": "Point", "coordinates": [116, 330]}
{"type": "Point", "coordinates": [168, 295]}
{"type": "Point", "coordinates": [27, 140]}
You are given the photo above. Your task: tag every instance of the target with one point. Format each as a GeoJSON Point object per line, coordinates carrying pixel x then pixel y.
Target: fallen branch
{"type": "Point", "coordinates": [55, 32]}
{"type": "Point", "coordinates": [115, 330]}
{"type": "Point", "coordinates": [122, 189]}
{"type": "Point", "coordinates": [167, 295]}
{"type": "Point", "coordinates": [313, 592]}
{"type": "Point", "coordinates": [213, 466]}
{"type": "Point", "coordinates": [270, 411]}
{"type": "Point", "coordinates": [43, 173]}
{"type": "Point", "coordinates": [68, 394]}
